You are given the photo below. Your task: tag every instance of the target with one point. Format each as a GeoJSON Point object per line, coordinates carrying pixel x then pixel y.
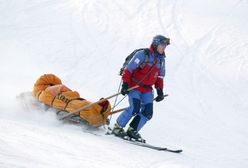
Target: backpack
{"type": "Point", "coordinates": [130, 56]}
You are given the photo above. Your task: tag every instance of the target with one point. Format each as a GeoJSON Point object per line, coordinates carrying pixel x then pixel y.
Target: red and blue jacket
{"type": "Point", "coordinates": [137, 70]}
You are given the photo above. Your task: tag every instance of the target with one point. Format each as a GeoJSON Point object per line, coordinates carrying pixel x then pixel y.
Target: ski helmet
{"type": "Point", "coordinates": [160, 40]}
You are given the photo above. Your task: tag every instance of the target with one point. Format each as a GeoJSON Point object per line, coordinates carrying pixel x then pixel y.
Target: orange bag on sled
{"type": "Point", "coordinates": [49, 90]}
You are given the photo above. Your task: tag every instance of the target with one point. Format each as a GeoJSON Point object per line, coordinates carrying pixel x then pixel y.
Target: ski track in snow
{"type": "Point", "coordinates": [84, 42]}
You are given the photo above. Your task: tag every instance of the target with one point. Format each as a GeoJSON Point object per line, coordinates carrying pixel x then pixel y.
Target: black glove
{"type": "Point", "coordinates": [124, 89]}
{"type": "Point", "coordinates": [160, 94]}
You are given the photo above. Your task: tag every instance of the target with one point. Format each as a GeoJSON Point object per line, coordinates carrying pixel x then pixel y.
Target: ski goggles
{"type": "Point", "coordinates": [165, 42]}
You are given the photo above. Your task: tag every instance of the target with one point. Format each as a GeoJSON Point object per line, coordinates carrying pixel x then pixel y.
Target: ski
{"type": "Point", "coordinates": [146, 145]}
{"type": "Point", "coordinates": [158, 148]}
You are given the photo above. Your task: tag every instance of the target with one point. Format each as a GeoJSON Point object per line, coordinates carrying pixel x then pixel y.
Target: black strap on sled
{"type": "Point", "coordinates": [69, 100]}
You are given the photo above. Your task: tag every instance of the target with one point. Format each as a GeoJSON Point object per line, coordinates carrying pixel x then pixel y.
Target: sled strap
{"type": "Point", "coordinates": [38, 96]}
{"type": "Point", "coordinates": [54, 99]}
{"type": "Point", "coordinates": [69, 100]}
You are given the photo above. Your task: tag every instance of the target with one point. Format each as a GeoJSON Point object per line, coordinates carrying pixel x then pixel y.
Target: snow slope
{"type": "Point", "coordinates": [84, 42]}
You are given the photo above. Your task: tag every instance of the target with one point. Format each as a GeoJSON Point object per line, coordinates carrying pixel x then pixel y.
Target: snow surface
{"type": "Point", "coordinates": [84, 42]}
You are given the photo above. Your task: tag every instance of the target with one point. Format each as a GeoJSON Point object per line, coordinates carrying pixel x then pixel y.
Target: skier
{"type": "Point", "coordinates": [144, 72]}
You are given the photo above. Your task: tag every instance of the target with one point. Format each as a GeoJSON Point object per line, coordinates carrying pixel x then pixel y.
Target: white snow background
{"type": "Point", "coordinates": [85, 42]}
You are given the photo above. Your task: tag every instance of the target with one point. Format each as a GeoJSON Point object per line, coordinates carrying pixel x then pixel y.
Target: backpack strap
{"type": "Point", "coordinates": [146, 61]}
{"type": "Point", "coordinates": [147, 54]}
{"type": "Point", "coordinates": [147, 74]}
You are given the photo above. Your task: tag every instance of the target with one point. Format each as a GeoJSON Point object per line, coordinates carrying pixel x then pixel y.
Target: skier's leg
{"type": "Point", "coordinates": [146, 112]}
{"type": "Point", "coordinates": [132, 110]}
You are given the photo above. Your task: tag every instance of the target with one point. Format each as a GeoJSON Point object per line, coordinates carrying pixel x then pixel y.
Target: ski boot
{"type": "Point", "coordinates": [119, 132]}
{"type": "Point", "coordinates": [133, 134]}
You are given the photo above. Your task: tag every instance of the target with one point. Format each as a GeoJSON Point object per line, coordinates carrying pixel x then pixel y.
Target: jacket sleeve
{"type": "Point", "coordinates": [160, 79]}
{"type": "Point", "coordinates": [134, 63]}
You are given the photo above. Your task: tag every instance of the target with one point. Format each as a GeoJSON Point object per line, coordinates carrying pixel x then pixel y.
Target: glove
{"type": "Point", "coordinates": [160, 94]}
{"type": "Point", "coordinates": [124, 89]}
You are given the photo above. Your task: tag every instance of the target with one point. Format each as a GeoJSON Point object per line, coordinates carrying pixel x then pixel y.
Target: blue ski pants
{"type": "Point", "coordinates": [140, 109]}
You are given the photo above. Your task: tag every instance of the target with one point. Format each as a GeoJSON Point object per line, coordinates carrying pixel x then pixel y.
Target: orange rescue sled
{"type": "Point", "coordinates": [49, 90]}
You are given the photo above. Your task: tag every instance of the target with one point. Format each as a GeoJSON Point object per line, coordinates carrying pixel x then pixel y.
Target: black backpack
{"type": "Point", "coordinates": [130, 56]}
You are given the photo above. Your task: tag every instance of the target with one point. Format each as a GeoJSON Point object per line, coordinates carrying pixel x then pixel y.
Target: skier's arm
{"type": "Point", "coordinates": [160, 79]}
{"type": "Point", "coordinates": [134, 63]}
